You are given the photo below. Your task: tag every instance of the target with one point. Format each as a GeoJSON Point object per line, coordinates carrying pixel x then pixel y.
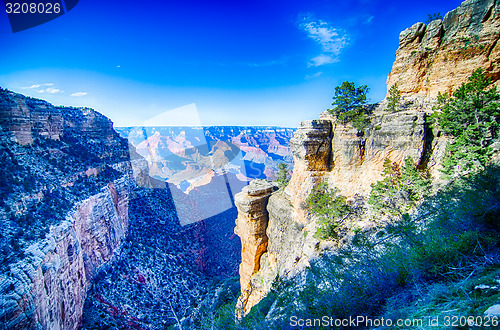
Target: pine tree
{"type": "Point", "coordinates": [349, 104]}
{"type": "Point", "coordinates": [472, 117]}
{"type": "Point", "coordinates": [283, 176]}
{"type": "Point", "coordinates": [394, 98]}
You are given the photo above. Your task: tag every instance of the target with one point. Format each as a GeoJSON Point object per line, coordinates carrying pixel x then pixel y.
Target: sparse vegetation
{"type": "Point", "coordinates": [433, 17]}
{"type": "Point", "coordinates": [42, 180]}
{"type": "Point", "coordinates": [283, 175]}
{"type": "Point", "coordinates": [330, 207]}
{"type": "Point", "coordinates": [400, 190]}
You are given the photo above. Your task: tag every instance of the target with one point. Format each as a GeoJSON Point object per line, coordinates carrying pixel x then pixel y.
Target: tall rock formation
{"type": "Point", "coordinates": [439, 57]}
{"type": "Point", "coordinates": [251, 226]}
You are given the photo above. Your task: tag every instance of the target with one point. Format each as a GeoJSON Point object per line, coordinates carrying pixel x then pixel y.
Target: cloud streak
{"type": "Point", "coordinates": [50, 90]}
{"type": "Point", "coordinates": [37, 86]}
{"type": "Point", "coordinates": [331, 40]}
{"type": "Point", "coordinates": [79, 94]}
{"type": "Point", "coordinates": [312, 76]}
{"type": "Point", "coordinates": [43, 90]}
{"type": "Point", "coordinates": [322, 60]}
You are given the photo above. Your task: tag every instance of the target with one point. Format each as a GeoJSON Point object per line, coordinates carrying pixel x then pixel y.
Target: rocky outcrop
{"type": "Point", "coordinates": [440, 56]}
{"type": "Point", "coordinates": [351, 160]}
{"type": "Point", "coordinates": [312, 152]}
{"type": "Point", "coordinates": [48, 288]}
{"type": "Point", "coordinates": [251, 226]}
{"type": "Point", "coordinates": [358, 160]}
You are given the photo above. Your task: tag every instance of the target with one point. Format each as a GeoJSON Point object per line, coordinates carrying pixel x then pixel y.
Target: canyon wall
{"type": "Point", "coordinates": [64, 208]}
{"type": "Point", "coordinates": [324, 151]}
{"type": "Point", "coordinates": [439, 56]}
{"type": "Point", "coordinates": [48, 288]}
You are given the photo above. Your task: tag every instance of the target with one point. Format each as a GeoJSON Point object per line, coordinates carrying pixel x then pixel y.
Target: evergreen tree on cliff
{"type": "Point", "coordinates": [472, 117]}
{"type": "Point", "coordinates": [349, 104]}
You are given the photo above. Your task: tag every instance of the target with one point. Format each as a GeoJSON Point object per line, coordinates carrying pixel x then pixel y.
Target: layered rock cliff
{"type": "Point", "coordinates": [48, 288]}
{"type": "Point", "coordinates": [439, 56]}
{"type": "Point", "coordinates": [63, 211]}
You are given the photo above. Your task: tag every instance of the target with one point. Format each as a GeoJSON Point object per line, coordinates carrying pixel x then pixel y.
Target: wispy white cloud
{"type": "Point", "coordinates": [312, 76]}
{"type": "Point", "coordinates": [322, 60]}
{"type": "Point", "coordinates": [37, 86]}
{"type": "Point", "coordinates": [79, 94]}
{"type": "Point", "coordinates": [264, 64]}
{"type": "Point", "coordinates": [332, 40]}
{"type": "Point", "coordinates": [50, 90]}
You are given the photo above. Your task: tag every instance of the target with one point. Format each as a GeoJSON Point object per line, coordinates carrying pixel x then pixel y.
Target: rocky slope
{"type": "Point", "coordinates": [430, 59]}
{"type": "Point", "coordinates": [64, 208]}
{"type": "Point", "coordinates": [439, 56]}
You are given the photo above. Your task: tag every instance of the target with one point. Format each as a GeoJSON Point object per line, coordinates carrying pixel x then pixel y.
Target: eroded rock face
{"type": "Point", "coordinates": [358, 160]}
{"type": "Point", "coordinates": [48, 288]}
{"type": "Point", "coordinates": [312, 151]}
{"type": "Point", "coordinates": [432, 58]}
{"type": "Point", "coordinates": [251, 226]}
{"type": "Point", "coordinates": [441, 56]}
{"type": "Point", "coordinates": [65, 212]}
{"type": "Point", "coordinates": [27, 117]}
{"type": "Point", "coordinates": [311, 144]}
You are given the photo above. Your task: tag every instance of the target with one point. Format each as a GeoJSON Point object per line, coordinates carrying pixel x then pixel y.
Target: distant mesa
{"type": "Point", "coordinates": [204, 167]}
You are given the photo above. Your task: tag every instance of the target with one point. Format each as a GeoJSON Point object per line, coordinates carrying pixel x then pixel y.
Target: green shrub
{"type": "Point", "coordinates": [400, 190]}
{"type": "Point", "coordinates": [283, 175]}
{"type": "Point", "coordinates": [330, 207]}
{"type": "Point", "coordinates": [432, 17]}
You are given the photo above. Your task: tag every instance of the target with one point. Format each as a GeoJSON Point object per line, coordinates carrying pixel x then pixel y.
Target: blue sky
{"type": "Point", "coordinates": [259, 62]}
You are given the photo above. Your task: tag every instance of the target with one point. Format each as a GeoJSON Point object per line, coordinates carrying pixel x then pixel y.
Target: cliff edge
{"type": "Point", "coordinates": [438, 57]}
